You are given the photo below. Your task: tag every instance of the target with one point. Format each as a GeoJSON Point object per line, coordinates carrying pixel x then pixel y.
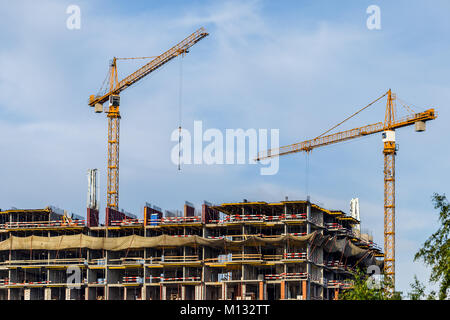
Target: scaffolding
{"type": "Point", "coordinates": [246, 250]}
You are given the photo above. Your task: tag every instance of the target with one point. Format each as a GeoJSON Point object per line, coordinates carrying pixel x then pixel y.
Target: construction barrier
{"type": "Point", "coordinates": [287, 275]}
{"type": "Point", "coordinates": [343, 284]}
{"type": "Point", "coordinates": [295, 255]}
{"type": "Point", "coordinates": [127, 222]}
{"type": "Point", "coordinates": [334, 264]}
{"type": "Point", "coordinates": [179, 279]}
{"type": "Point", "coordinates": [246, 217]}
{"type": "Point", "coordinates": [298, 216]}
{"type": "Point", "coordinates": [273, 277]}
{"type": "Point", "coordinates": [42, 224]}
{"type": "Point", "coordinates": [181, 235]}
{"type": "Point", "coordinates": [29, 283]}
{"type": "Point", "coordinates": [99, 281]}
{"type": "Point", "coordinates": [334, 226]}
{"type": "Point", "coordinates": [272, 218]}
{"type": "Point", "coordinates": [259, 217]}
{"type": "Point", "coordinates": [175, 220]}
{"type": "Point", "coordinates": [133, 279]}
{"type": "Point", "coordinates": [295, 275]}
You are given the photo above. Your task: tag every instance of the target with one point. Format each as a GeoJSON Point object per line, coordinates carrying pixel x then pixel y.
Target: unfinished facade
{"type": "Point", "coordinates": [246, 250]}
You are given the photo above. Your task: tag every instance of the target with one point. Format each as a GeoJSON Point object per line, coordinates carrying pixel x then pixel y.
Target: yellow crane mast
{"type": "Point", "coordinates": [389, 150]}
{"type": "Point", "coordinates": [113, 96]}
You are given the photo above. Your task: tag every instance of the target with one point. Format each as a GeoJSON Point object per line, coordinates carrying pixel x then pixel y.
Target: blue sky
{"type": "Point", "coordinates": [296, 66]}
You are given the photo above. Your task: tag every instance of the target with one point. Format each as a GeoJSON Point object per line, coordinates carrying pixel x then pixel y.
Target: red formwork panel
{"type": "Point", "coordinates": [148, 213]}
{"type": "Point", "coordinates": [113, 215]}
{"type": "Point", "coordinates": [92, 217]}
{"type": "Point", "coordinates": [209, 214]}
{"type": "Point", "coordinates": [189, 211]}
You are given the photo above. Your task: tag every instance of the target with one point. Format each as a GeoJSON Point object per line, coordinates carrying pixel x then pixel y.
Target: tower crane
{"type": "Point", "coordinates": [113, 96]}
{"type": "Point", "coordinates": [387, 128]}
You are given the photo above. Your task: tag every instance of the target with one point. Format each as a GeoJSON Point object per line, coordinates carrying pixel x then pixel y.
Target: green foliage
{"type": "Point", "coordinates": [418, 290]}
{"type": "Point", "coordinates": [362, 291]}
{"type": "Point", "coordinates": [435, 252]}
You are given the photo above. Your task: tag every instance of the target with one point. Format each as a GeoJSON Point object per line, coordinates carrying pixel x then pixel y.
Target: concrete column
{"type": "Point", "coordinates": [144, 292]}
{"type": "Point", "coordinates": [224, 291]}
{"type": "Point", "coordinates": [262, 290]}
{"type": "Point", "coordinates": [183, 292]}
{"type": "Point", "coordinates": [304, 289]}
{"type": "Point", "coordinates": [198, 292]}
{"type": "Point", "coordinates": [163, 291]}
{"type": "Point", "coordinates": [336, 294]}
{"type": "Point", "coordinates": [47, 294]}
{"type": "Point", "coordinates": [308, 264]}
{"type": "Point", "coordinates": [27, 294]}
{"type": "Point", "coordinates": [144, 273]}
{"type": "Point", "coordinates": [203, 287]}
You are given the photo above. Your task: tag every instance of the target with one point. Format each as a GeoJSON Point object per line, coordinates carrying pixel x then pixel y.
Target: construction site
{"type": "Point", "coordinates": [248, 250]}
{"type": "Point", "coordinates": [245, 250]}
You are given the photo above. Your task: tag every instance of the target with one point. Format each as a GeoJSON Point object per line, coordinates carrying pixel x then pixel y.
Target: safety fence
{"type": "Point", "coordinates": [342, 284]}
{"type": "Point", "coordinates": [287, 275]}
{"type": "Point", "coordinates": [175, 220]}
{"type": "Point", "coordinates": [258, 218]}
{"type": "Point", "coordinates": [70, 261]}
{"type": "Point", "coordinates": [173, 259]}
{"type": "Point", "coordinates": [336, 264]}
{"type": "Point", "coordinates": [42, 224]}
{"type": "Point", "coordinates": [334, 226]}
{"type": "Point", "coordinates": [294, 256]}
{"type": "Point", "coordinates": [127, 223]}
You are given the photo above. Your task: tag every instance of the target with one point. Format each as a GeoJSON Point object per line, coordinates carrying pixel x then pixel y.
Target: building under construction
{"type": "Point", "coordinates": [245, 250]}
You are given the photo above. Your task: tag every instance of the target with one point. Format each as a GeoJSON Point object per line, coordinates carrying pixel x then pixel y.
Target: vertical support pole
{"type": "Point", "coordinates": [224, 291]}
{"type": "Point", "coordinates": [261, 290]}
{"type": "Point", "coordinates": [336, 294]}
{"type": "Point", "coordinates": [47, 294]}
{"type": "Point", "coordinates": [304, 289]}
{"type": "Point", "coordinates": [282, 290]}
{"type": "Point", "coordinates": [183, 293]}
{"type": "Point", "coordinates": [308, 264]}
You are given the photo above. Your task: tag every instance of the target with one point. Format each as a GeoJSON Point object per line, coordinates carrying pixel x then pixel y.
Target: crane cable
{"type": "Point", "coordinates": [352, 115]}
{"type": "Point", "coordinates": [334, 127]}
{"type": "Point", "coordinates": [180, 104]}
{"type": "Point", "coordinates": [307, 174]}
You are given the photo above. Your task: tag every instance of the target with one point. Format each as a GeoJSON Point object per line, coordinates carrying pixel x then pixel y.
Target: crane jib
{"type": "Point", "coordinates": [308, 145]}
{"type": "Point", "coordinates": [180, 48]}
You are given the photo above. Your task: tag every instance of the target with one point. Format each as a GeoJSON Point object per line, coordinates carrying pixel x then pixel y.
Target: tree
{"type": "Point", "coordinates": [418, 290]}
{"type": "Point", "coordinates": [435, 252]}
{"type": "Point", "coordinates": [362, 290]}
